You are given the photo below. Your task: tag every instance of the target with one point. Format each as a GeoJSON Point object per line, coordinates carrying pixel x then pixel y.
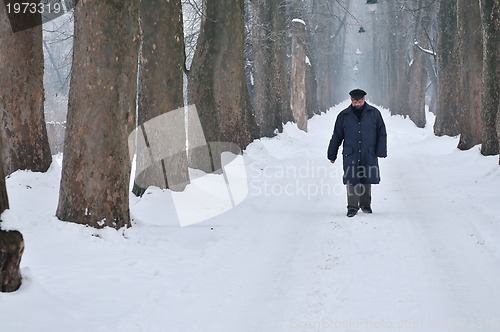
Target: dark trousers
{"type": "Point", "coordinates": [359, 195]}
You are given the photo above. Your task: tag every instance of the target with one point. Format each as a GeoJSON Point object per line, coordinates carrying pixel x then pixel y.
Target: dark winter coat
{"type": "Point", "coordinates": [364, 141]}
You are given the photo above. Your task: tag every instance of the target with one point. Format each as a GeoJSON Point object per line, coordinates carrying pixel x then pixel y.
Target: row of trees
{"type": "Point", "coordinates": [447, 50]}
{"type": "Point", "coordinates": [414, 52]}
{"type": "Point", "coordinates": [129, 58]}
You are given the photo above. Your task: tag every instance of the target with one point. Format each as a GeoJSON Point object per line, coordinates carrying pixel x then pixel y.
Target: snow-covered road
{"type": "Point", "coordinates": [287, 258]}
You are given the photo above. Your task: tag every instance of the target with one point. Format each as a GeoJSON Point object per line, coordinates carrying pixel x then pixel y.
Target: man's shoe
{"type": "Point", "coordinates": [351, 212]}
{"type": "Point", "coordinates": [366, 209]}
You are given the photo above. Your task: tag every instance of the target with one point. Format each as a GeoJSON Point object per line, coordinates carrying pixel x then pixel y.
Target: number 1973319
{"type": "Point", "coordinates": [42, 7]}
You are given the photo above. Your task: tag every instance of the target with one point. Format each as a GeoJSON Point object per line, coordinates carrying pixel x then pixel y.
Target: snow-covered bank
{"type": "Point", "coordinates": [287, 258]}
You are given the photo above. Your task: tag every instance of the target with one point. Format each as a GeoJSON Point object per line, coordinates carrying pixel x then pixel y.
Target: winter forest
{"type": "Point", "coordinates": [149, 148]}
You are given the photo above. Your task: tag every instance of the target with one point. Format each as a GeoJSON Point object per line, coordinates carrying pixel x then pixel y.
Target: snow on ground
{"type": "Point", "coordinates": [285, 259]}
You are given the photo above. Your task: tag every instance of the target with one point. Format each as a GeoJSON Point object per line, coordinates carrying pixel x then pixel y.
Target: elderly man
{"type": "Point", "coordinates": [361, 129]}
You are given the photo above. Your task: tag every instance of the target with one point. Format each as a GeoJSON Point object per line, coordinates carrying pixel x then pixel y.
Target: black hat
{"type": "Point", "coordinates": [357, 94]}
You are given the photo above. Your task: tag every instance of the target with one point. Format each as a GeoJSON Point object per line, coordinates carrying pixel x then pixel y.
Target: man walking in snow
{"type": "Point", "coordinates": [361, 129]}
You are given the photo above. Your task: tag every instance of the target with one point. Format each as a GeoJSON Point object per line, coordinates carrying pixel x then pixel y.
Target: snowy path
{"type": "Point", "coordinates": [420, 262]}
{"type": "Point", "coordinates": [286, 259]}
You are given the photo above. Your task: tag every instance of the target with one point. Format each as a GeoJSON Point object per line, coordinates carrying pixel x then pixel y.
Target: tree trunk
{"type": "Point", "coordinates": [321, 43]}
{"type": "Point", "coordinates": [23, 131]}
{"type": "Point", "coordinates": [271, 93]}
{"type": "Point", "coordinates": [498, 130]}
{"type": "Point", "coordinates": [101, 114]}
{"type": "Point", "coordinates": [471, 64]}
{"type": "Point", "coordinates": [448, 115]}
{"type": "Point", "coordinates": [431, 72]}
{"type": "Point", "coordinates": [298, 77]}
{"type": "Point", "coordinates": [11, 251]}
{"type": "Point", "coordinates": [490, 17]}
{"type": "Point", "coordinates": [398, 60]}
{"type": "Point", "coordinates": [217, 79]}
{"type": "Point", "coordinates": [4, 198]}
{"type": "Point", "coordinates": [337, 71]}
{"type": "Point", "coordinates": [418, 72]}
{"type": "Point", "coordinates": [311, 91]}
{"type": "Point", "coordinates": [11, 245]}
{"type": "Point", "coordinates": [160, 92]}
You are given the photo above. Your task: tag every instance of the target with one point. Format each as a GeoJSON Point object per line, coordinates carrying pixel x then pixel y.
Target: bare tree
{"type": "Point", "coordinates": [101, 114]}
{"type": "Point", "coordinates": [25, 143]}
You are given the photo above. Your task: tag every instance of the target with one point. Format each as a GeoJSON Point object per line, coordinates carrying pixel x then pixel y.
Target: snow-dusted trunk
{"type": "Point", "coordinates": [490, 17]}
{"type": "Point", "coordinates": [101, 115]}
{"type": "Point", "coordinates": [271, 95]}
{"type": "Point", "coordinates": [298, 76]}
{"type": "Point", "coordinates": [471, 62]}
{"type": "Point", "coordinates": [448, 71]}
{"type": "Point", "coordinates": [161, 91]}
{"type": "Point", "coordinates": [217, 84]}
{"type": "Point", "coordinates": [22, 125]}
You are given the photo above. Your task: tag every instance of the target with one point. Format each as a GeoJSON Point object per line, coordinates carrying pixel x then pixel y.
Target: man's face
{"type": "Point", "coordinates": [357, 103]}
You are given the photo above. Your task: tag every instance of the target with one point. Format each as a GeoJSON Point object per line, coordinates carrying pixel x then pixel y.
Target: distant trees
{"type": "Point", "coordinates": [96, 165]}
{"type": "Point", "coordinates": [270, 77]}
{"type": "Point", "coordinates": [454, 55]}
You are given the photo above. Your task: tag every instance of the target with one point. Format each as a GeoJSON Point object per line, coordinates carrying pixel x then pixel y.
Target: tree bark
{"type": "Point", "coordinates": [161, 91]}
{"type": "Point", "coordinates": [11, 245]}
{"type": "Point", "coordinates": [448, 115]}
{"type": "Point", "coordinates": [11, 251]}
{"type": "Point", "coordinates": [490, 17]}
{"type": "Point", "coordinates": [312, 107]}
{"type": "Point", "coordinates": [25, 142]}
{"type": "Point", "coordinates": [298, 77]}
{"type": "Point", "coordinates": [418, 72]}
{"type": "Point", "coordinates": [101, 114]}
{"type": "Point", "coordinates": [217, 83]}
{"type": "Point", "coordinates": [471, 63]}
{"type": "Point", "coordinates": [398, 60]}
{"type": "Point", "coordinates": [271, 94]}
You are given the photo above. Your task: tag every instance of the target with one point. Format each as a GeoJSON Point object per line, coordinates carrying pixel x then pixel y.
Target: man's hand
{"type": "Point", "coordinates": [332, 161]}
